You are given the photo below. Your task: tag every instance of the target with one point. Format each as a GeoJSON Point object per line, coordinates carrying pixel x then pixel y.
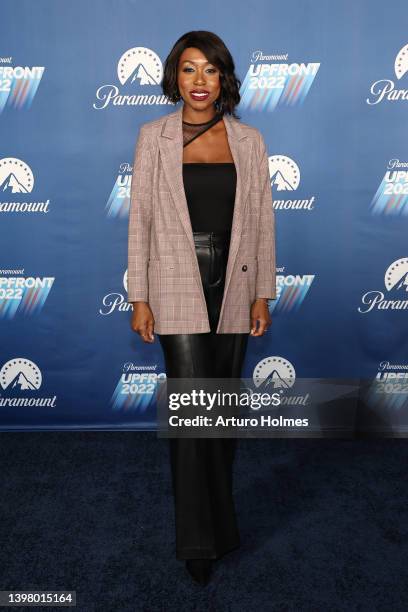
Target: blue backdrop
{"type": "Point", "coordinates": [325, 82]}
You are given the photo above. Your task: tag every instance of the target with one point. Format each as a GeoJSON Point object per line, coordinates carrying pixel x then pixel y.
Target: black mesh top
{"type": "Point", "coordinates": [192, 130]}
{"type": "Point", "coordinates": [209, 187]}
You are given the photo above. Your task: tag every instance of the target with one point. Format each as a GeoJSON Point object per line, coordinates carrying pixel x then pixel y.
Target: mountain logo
{"type": "Point", "coordinates": [140, 69]}
{"type": "Point", "coordinates": [384, 89]}
{"type": "Point", "coordinates": [140, 65]}
{"type": "Point", "coordinates": [141, 75]}
{"type": "Point", "coordinates": [15, 176]}
{"type": "Point", "coordinates": [21, 382]}
{"type": "Point", "coordinates": [395, 280]}
{"type": "Point", "coordinates": [11, 183]}
{"type": "Point", "coordinates": [20, 374]}
{"type": "Point", "coordinates": [396, 275]}
{"type": "Point", "coordinates": [274, 371]}
{"type": "Point", "coordinates": [284, 173]}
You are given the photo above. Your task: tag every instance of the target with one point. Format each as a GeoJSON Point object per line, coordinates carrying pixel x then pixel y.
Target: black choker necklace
{"type": "Point", "coordinates": [216, 116]}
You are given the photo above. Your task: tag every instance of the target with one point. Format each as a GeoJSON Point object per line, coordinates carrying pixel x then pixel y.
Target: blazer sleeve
{"type": "Point", "coordinates": [140, 215]}
{"type": "Point", "coordinates": [266, 268]}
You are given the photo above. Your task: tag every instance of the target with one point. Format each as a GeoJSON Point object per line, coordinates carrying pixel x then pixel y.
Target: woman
{"type": "Point", "coordinates": [201, 267]}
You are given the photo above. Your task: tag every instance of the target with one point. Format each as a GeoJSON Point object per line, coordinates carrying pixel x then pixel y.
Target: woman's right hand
{"type": "Point", "coordinates": [142, 321]}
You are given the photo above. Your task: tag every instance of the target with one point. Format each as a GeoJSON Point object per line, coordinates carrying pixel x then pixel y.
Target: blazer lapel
{"type": "Point", "coordinates": [171, 152]}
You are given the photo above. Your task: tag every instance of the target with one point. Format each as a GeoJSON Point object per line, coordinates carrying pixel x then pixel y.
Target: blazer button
{"type": "Point", "coordinates": [245, 268]}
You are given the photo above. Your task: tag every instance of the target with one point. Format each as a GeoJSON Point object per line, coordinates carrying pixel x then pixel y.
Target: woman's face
{"type": "Point", "coordinates": [196, 74]}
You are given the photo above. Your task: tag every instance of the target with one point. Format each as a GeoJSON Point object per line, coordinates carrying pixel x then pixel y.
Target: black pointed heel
{"type": "Point", "coordinates": [200, 570]}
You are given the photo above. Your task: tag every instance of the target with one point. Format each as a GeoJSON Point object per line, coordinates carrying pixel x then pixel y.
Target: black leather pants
{"type": "Point", "coordinates": [202, 468]}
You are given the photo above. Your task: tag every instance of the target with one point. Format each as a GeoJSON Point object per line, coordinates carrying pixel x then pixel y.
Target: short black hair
{"type": "Point", "coordinates": [217, 54]}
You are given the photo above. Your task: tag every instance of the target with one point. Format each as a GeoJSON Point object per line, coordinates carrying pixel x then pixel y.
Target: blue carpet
{"type": "Point", "coordinates": [323, 524]}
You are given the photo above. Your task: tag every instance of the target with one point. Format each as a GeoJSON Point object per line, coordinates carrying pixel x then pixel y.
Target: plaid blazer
{"type": "Point", "coordinates": [163, 267]}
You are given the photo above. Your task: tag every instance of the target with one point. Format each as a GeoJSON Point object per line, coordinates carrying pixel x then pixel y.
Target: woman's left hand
{"type": "Point", "coordinates": [260, 312]}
